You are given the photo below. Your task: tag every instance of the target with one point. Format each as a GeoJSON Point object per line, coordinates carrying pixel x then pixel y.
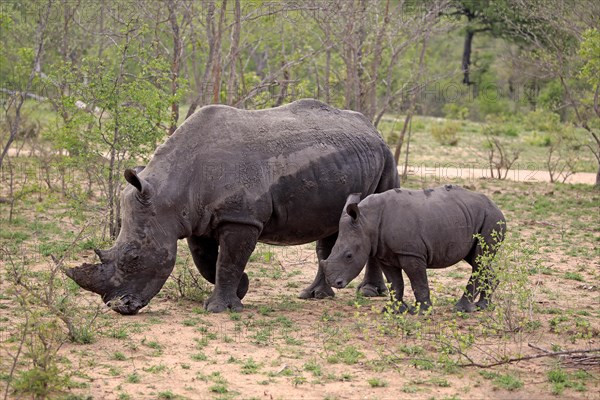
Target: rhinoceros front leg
{"type": "Point", "coordinates": [319, 289]}
{"type": "Point", "coordinates": [205, 252]}
{"type": "Point", "coordinates": [394, 276]}
{"type": "Point", "coordinates": [373, 284]}
{"type": "Point", "coordinates": [236, 243]}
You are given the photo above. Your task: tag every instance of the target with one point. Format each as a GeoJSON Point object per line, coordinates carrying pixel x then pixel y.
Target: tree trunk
{"type": "Point", "coordinates": [466, 58]}
{"type": "Point", "coordinates": [327, 72]}
{"type": "Point", "coordinates": [175, 64]}
{"type": "Point", "coordinates": [203, 86]}
{"type": "Point", "coordinates": [216, 73]}
{"type": "Point", "coordinates": [233, 89]}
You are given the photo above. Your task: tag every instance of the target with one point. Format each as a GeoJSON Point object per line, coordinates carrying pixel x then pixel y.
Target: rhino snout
{"type": "Point", "coordinates": [126, 305]}
{"type": "Point", "coordinates": [340, 283]}
{"type": "Point", "coordinates": [337, 282]}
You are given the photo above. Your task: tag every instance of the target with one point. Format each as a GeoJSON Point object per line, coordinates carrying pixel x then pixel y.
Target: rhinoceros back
{"type": "Point", "coordinates": [286, 170]}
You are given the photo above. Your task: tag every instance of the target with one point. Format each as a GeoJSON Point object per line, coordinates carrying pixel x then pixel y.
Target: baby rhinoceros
{"type": "Point", "coordinates": [412, 230]}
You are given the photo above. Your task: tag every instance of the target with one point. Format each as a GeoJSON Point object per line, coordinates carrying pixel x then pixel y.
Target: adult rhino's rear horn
{"type": "Point", "coordinates": [92, 277]}
{"type": "Point", "coordinates": [102, 255]}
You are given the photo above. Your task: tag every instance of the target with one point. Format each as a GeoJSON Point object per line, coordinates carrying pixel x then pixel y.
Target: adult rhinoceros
{"type": "Point", "coordinates": [229, 178]}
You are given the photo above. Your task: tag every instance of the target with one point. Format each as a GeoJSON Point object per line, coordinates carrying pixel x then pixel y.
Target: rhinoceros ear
{"type": "Point", "coordinates": [351, 205]}
{"type": "Point", "coordinates": [131, 176]}
{"type": "Point", "coordinates": [353, 211]}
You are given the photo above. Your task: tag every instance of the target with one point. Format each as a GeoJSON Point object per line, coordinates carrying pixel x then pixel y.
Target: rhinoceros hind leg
{"type": "Point", "coordinates": [319, 289]}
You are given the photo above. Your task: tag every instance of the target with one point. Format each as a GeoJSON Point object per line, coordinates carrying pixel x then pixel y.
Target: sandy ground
{"type": "Point", "coordinates": [293, 347]}
{"type": "Point", "coordinates": [450, 173]}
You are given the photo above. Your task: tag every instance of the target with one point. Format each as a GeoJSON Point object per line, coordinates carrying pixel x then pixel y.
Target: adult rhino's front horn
{"type": "Point", "coordinates": [93, 277]}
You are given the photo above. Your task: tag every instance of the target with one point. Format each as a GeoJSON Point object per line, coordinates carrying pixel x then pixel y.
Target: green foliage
{"type": "Point", "coordinates": [185, 282]}
{"type": "Point", "coordinates": [500, 126]}
{"type": "Point", "coordinates": [42, 340]}
{"type": "Point", "coordinates": [377, 382]}
{"type": "Point", "coordinates": [348, 355]}
{"type": "Point", "coordinates": [590, 52]}
{"type": "Point", "coordinates": [509, 382]}
{"type": "Point", "coordinates": [552, 97]}
{"type": "Point", "coordinates": [40, 382]}
{"type": "Point", "coordinates": [455, 111]}
{"type": "Point", "coordinates": [510, 261]}
{"type": "Point", "coordinates": [543, 121]}
{"type": "Point", "coordinates": [446, 133]}
{"type": "Point", "coordinates": [250, 367]}
{"type": "Point", "coordinates": [560, 380]}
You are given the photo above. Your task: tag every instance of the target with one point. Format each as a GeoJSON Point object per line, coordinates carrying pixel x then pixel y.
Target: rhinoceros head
{"type": "Point", "coordinates": [142, 258]}
{"type": "Point", "coordinates": [352, 248]}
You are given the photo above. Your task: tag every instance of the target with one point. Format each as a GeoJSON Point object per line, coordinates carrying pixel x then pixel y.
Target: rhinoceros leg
{"type": "Point", "coordinates": [373, 284]}
{"type": "Point", "coordinates": [205, 252]}
{"type": "Point", "coordinates": [319, 289]}
{"type": "Point", "coordinates": [416, 271]}
{"type": "Point", "coordinates": [236, 243]}
{"type": "Point", "coordinates": [394, 276]}
{"type": "Point", "coordinates": [483, 280]}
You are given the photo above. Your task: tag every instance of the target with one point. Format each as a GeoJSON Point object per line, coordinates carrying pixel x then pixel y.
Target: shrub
{"type": "Point", "coordinates": [455, 111]}
{"type": "Point", "coordinates": [446, 133]}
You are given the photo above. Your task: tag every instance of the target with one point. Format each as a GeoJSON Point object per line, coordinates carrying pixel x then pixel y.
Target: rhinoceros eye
{"type": "Point", "coordinates": [348, 256]}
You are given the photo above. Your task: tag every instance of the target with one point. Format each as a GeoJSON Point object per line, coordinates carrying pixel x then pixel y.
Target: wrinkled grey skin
{"type": "Point", "coordinates": [412, 230]}
{"type": "Point", "coordinates": [228, 178]}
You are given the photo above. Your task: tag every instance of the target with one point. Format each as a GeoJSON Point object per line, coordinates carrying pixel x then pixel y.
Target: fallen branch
{"type": "Point", "coordinates": [531, 357]}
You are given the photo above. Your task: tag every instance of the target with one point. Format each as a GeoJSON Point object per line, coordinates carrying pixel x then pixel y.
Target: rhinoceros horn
{"type": "Point", "coordinates": [92, 277]}
{"type": "Point", "coordinates": [102, 255]}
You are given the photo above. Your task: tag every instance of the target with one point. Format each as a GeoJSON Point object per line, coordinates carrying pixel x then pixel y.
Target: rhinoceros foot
{"type": "Point", "coordinates": [243, 286]}
{"type": "Point", "coordinates": [399, 307]}
{"type": "Point", "coordinates": [482, 304]}
{"type": "Point", "coordinates": [217, 304]}
{"type": "Point", "coordinates": [370, 289]}
{"type": "Point", "coordinates": [464, 305]}
{"type": "Point", "coordinates": [316, 292]}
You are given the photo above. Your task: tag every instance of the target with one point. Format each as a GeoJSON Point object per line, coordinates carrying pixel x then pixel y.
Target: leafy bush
{"type": "Point", "coordinates": [500, 126]}
{"type": "Point", "coordinates": [455, 111]}
{"type": "Point", "coordinates": [543, 121]}
{"type": "Point", "coordinates": [446, 133]}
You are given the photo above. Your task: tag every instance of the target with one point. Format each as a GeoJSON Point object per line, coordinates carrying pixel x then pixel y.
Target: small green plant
{"type": "Point", "coordinates": [314, 367]}
{"type": "Point", "coordinates": [186, 283]}
{"type": "Point", "coordinates": [250, 367]}
{"type": "Point", "coordinates": [560, 380]}
{"type": "Point", "coordinates": [349, 355]}
{"type": "Point", "coordinates": [298, 380]}
{"type": "Point", "coordinates": [119, 356]}
{"type": "Point", "coordinates": [156, 369]}
{"type": "Point", "coordinates": [199, 357]}
{"type": "Point", "coordinates": [377, 382]}
{"type": "Point", "coordinates": [133, 378]}
{"type": "Point", "coordinates": [508, 382]}
{"type": "Point", "coordinates": [576, 276]}
{"type": "Point", "coordinates": [167, 395]}
{"type": "Point", "coordinates": [220, 388]}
